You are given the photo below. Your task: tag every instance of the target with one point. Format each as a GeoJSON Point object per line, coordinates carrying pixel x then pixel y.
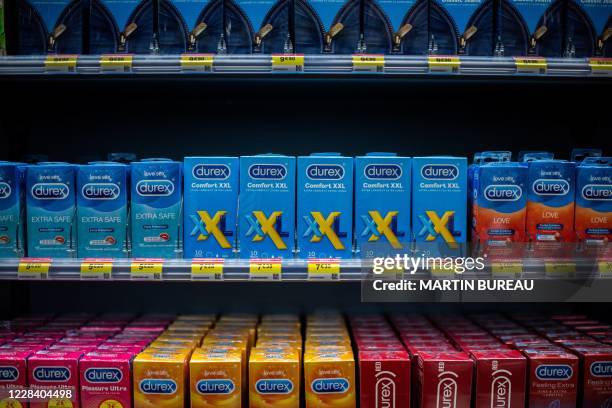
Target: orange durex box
{"type": "Point", "coordinates": [329, 378]}
{"type": "Point", "coordinates": [179, 343]}
{"type": "Point", "coordinates": [216, 378]}
{"type": "Point", "coordinates": [274, 379]}
{"type": "Point", "coordinates": [160, 379]}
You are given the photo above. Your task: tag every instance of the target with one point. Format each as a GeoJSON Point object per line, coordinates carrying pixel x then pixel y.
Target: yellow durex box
{"type": "Point", "coordinates": [160, 379]}
{"type": "Point", "coordinates": [274, 379]}
{"type": "Point", "coordinates": [216, 378]}
{"type": "Point", "coordinates": [239, 345]}
{"type": "Point", "coordinates": [329, 379]}
{"type": "Point", "coordinates": [179, 343]}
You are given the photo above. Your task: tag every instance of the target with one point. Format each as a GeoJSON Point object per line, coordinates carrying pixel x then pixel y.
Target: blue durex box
{"type": "Point", "coordinates": [325, 206]}
{"type": "Point", "coordinates": [593, 222]}
{"type": "Point", "coordinates": [102, 210]}
{"type": "Point", "coordinates": [156, 193]}
{"type": "Point", "coordinates": [12, 210]}
{"type": "Point", "coordinates": [382, 203]}
{"type": "Point", "coordinates": [266, 211]}
{"type": "Point", "coordinates": [439, 199]}
{"type": "Point", "coordinates": [53, 26]}
{"type": "Point", "coordinates": [51, 208]}
{"type": "Point", "coordinates": [210, 206]}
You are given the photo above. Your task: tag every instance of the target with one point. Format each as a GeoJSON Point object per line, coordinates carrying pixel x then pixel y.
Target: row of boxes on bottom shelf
{"type": "Point", "coordinates": [244, 360]}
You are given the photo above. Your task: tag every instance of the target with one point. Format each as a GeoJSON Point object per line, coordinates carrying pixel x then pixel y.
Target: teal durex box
{"type": "Point", "coordinates": [382, 203]}
{"type": "Point", "coordinates": [51, 207]}
{"type": "Point", "coordinates": [210, 206]}
{"type": "Point", "coordinates": [439, 199]}
{"type": "Point", "coordinates": [266, 215]}
{"type": "Point", "coordinates": [12, 210]}
{"type": "Point", "coordinates": [325, 206]}
{"type": "Point", "coordinates": [102, 210]}
{"type": "Point", "coordinates": [156, 193]}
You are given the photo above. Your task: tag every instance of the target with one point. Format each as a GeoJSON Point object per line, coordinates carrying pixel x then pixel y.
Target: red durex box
{"type": "Point", "coordinates": [444, 379]}
{"type": "Point", "coordinates": [106, 378]}
{"type": "Point", "coordinates": [55, 370]}
{"type": "Point", "coordinates": [500, 379]}
{"type": "Point", "coordinates": [596, 377]}
{"type": "Point", "coordinates": [13, 374]}
{"type": "Point", "coordinates": [552, 379]}
{"type": "Point", "coordinates": [384, 378]}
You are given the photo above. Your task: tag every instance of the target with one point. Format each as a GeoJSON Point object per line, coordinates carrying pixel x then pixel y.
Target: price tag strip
{"type": "Point", "coordinates": [444, 64]}
{"type": "Point", "coordinates": [197, 62]}
{"type": "Point", "coordinates": [33, 268]}
{"type": "Point", "coordinates": [61, 63]}
{"type": "Point", "coordinates": [96, 269]}
{"type": "Point", "coordinates": [560, 269]}
{"type": "Point", "coordinates": [605, 267]}
{"type": "Point", "coordinates": [530, 65]}
{"type": "Point", "coordinates": [207, 269]}
{"type": "Point", "coordinates": [506, 268]}
{"type": "Point", "coordinates": [146, 269]}
{"type": "Point", "coordinates": [324, 269]}
{"type": "Point", "coordinates": [265, 269]}
{"type": "Point", "coordinates": [287, 62]}
{"type": "Point", "coordinates": [116, 63]}
{"type": "Point", "coordinates": [368, 63]}
{"type": "Point", "coordinates": [601, 66]}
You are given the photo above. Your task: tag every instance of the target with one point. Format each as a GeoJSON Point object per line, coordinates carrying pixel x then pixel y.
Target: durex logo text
{"type": "Point", "coordinates": [501, 389]}
{"type": "Point", "coordinates": [148, 188]}
{"type": "Point", "coordinates": [8, 373]}
{"type": "Point", "coordinates": [50, 191]}
{"type": "Point", "coordinates": [329, 385]}
{"type": "Point", "coordinates": [601, 369]}
{"type": "Point", "coordinates": [548, 372]}
{"type": "Point", "coordinates": [100, 191]}
{"type": "Point", "coordinates": [325, 172]}
{"type": "Point", "coordinates": [274, 386]}
{"type": "Point", "coordinates": [503, 192]}
{"type": "Point", "coordinates": [5, 190]}
{"type": "Point", "coordinates": [268, 171]}
{"type": "Point", "coordinates": [447, 390]}
{"type": "Point", "coordinates": [211, 171]}
{"type": "Point", "coordinates": [103, 375]}
{"type": "Point", "coordinates": [51, 374]}
{"type": "Point", "coordinates": [439, 171]}
{"type": "Point", "coordinates": [382, 171]}
{"type": "Point", "coordinates": [385, 390]}
{"type": "Point", "coordinates": [157, 386]}
{"type": "Point", "coordinates": [551, 187]}
{"type": "Point", "coordinates": [213, 387]}
{"type": "Point", "coordinates": [597, 192]}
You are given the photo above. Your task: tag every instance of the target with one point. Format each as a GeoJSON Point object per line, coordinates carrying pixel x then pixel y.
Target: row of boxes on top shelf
{"type": "Point", "coordinates": [551, 28]}
{"type": "Point", "coordinates": [241, 360]}
{"type": "Point", "coordinates": [252, 206]}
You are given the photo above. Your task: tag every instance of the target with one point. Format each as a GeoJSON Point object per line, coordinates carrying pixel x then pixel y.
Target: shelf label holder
{"type": "Point", "coordinates": [601, 66]}
{"type": "Point", "coordinates": [444, 64]}
{"type": "Point", "coordinates": [506, 268]}
{"type": "Point", "coordinates": [324, 269]}
{"type": "Point", "coordinates": [557, 269]}
{"type": "Point", "coordinates": [364, 63]}
{"type": "Point", "coordinates": [605, 268]}
{"type": "Point", "coordinates": [265, 269]}
{"type": "Point", "coordinates": [207, 269]}
{"type": "Point", "coordinates": [531, 65]}
{"type": "Point", "coordinates": [197, 62]}
{"type": "Point", "coordinates": [34, 268]}
{"type": "Point", "coordinates": [116, 63]}
{"type": "Point", "coordinates": [283, 63]}
{"type": "Point", "coordinates": [146, 269]}
{"type": "Point", "coordinates": [96, 269]}
{"type": "Point", "coordinates": [61, 63]}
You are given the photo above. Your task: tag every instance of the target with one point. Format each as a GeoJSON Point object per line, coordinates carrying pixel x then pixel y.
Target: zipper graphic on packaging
{"type": "Point", "coordinates": [59, 30]}
{"type": "Point", "coordinates": [399, 35]}
{"type": "Point", "coordinates": [601, 41]}
{"type": "Point", "coordinates": [329, 36]}
{"type": "Point", "coordinates": [194, 34]}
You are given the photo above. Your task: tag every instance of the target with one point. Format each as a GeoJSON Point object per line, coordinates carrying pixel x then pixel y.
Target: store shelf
{"type": "Point", "coordinates": [312, 64]}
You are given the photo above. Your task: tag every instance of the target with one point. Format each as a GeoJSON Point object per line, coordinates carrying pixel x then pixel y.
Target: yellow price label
{"type": "Point", "coordinates": [530, 65]}
{"type": "Point", "coordinates": [197, 62]}
{"type": "Point", "coordinates": [269, 269]}
{"type": "Point", "coordinates": [146, 269]}
{"type": "Point", "coordinates": [444, 64]}
{"type": "Point", "coordinates": [96, 269]}
{"type": "Point", "coordinates": [10, 403]}
{"type": "Point", "coordinates": [605, 267]}
{"type": "Point", "coordinates": [207, 269]}
{"type": "Point", "coordinates": [601, 66]}
{"type": "Point", "coordinates": [506, 268]}
{"type": "Point", "coordinates": [116, 62]}
{"type": "Point", "coordinates": [33, 268]}
{"type": "Point", "coordinates": [324, 269]}
{"type": "Point", "coordinates": [288, 62]}
{"type": "Point", "coordinates": [61, 63]}
{"type": "Point", "coordinates": [560, 268]}
{"type": "Point", "coordinates": [368, 63]}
